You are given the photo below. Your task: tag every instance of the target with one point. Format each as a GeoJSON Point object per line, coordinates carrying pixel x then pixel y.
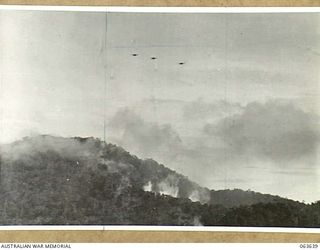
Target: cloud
{"type": "Point", "coordinates": [199, 110]}
{"type": "Point", "coordinates": [65, 147]}
{"type": "Point", "coordinates": [144, 138]}
{"type": "Point", "coordinates": [276, 130]}
{"type": "Point", "coordinates": [243, 149]}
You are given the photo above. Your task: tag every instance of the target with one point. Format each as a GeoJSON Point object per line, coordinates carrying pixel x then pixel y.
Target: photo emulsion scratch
{"type": "Point", "coordinates": [172, 119]}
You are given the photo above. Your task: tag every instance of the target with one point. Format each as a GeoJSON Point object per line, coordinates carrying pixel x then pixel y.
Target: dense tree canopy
{"type": "Point", "coordinates": [48, 180]}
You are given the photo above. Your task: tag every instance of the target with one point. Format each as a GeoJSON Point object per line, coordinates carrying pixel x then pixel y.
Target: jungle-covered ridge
{"type": "Point", "coordinates": [48, 180]}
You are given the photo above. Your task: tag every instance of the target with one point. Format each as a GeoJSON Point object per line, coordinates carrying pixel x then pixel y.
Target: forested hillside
{"type": "Point", "coordinates": [55, 180]}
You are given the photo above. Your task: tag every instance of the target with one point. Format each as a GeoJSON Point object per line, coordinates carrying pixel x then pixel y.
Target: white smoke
{"type": "Point", "coordinates": [195, 196]}
{"type": "Point", "coordinates": [168, 189]}
{"type": "Point", "coordinates": [169, 186]}
{"type": "Point", "coordinates": [196, 221]}
{"type": "Point", "coordinates": [148, 187]}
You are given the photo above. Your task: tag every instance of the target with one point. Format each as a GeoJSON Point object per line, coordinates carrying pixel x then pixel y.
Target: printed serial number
{"type": "Point", "coordinates": [309, 246]}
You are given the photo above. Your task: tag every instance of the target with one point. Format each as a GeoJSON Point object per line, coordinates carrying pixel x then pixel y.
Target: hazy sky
{"type": "Point", "coordinates": [241, 112]}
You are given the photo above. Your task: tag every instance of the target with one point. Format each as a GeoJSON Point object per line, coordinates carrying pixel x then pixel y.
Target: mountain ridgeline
{"type": "Point", "coordinates": [50, 180]}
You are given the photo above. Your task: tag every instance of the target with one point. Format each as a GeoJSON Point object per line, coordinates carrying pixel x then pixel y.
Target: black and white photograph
{"type": "Point", "coordinates": [159, 118]}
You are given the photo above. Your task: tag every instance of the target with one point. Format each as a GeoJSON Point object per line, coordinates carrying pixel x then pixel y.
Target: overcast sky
{"type": "Point", "coordinates": [241, 112]}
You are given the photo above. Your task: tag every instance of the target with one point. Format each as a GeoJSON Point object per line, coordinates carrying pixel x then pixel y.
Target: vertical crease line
{"type": "Point", "coordinates": [225, 91]}
{"type": "Point", "coordinates": [105, 78]}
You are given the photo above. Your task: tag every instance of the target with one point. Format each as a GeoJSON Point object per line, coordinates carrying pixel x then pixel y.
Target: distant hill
{"type": "Point", "coordinates": [55, 180]}
{"type": "Point", "coordinates": [237, 197]}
